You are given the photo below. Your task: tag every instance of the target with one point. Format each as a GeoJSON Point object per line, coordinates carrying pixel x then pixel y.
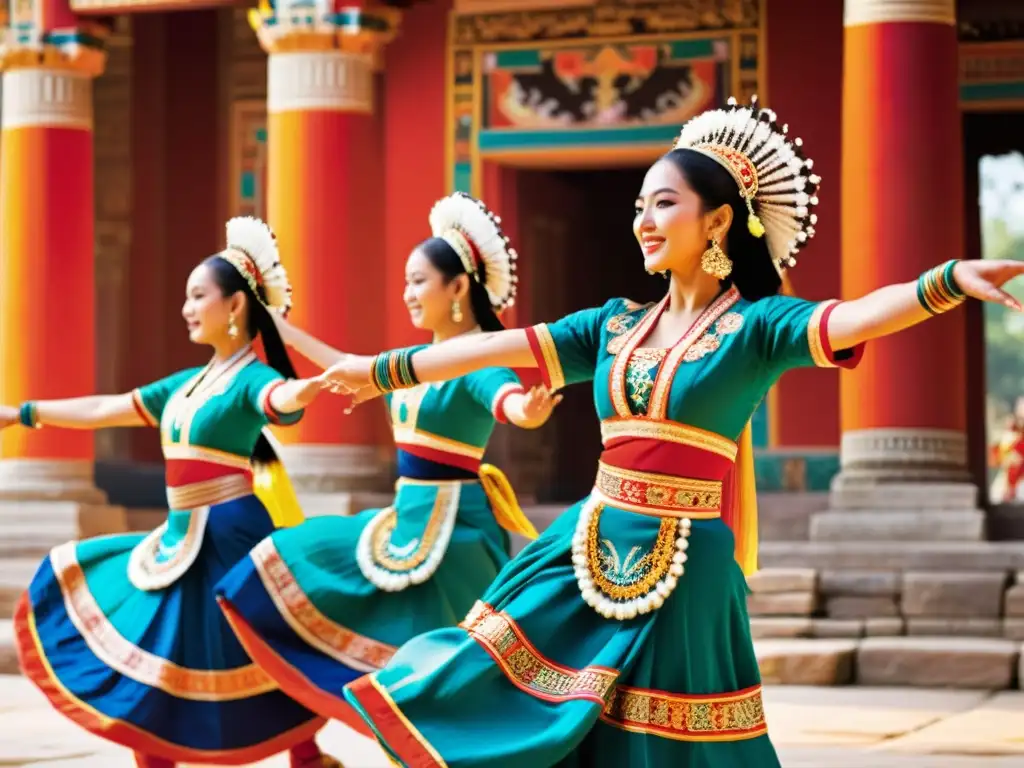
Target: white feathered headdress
{"type": "Point", "coordinates": [252, 250]}
{"type": "Point", "coordinates": [474, 233]}
{"type": "Point", "coordinates": [774, 177]}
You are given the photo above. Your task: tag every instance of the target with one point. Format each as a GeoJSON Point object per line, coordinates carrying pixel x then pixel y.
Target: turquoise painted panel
{"type": "Point", "coordinates": [516, 59]}
{"type": "Point", "coordinates": [463, 180]}
{"type": "Point", "coordinates": [692, 49]}
{"type": "Point", "coordinates": [781, 470]}
{"type": "Point", "coordinates": [992, 92]}
{"type": "Point", "coordinates": [248, 182]}
{"type": "Point", "coordinates": [511, 140]}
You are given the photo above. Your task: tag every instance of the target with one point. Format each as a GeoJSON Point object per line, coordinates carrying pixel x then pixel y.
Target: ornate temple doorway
{"type": "Point", "coordinates": [575, 233]}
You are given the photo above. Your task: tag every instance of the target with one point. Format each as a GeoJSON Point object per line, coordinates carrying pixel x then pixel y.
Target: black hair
{"type": "Point", "coordinates": [258, 322]}
{"type": "Point", "coordinates": [447, 262]}
{"type": "Point", "coordinates": [753, 272]}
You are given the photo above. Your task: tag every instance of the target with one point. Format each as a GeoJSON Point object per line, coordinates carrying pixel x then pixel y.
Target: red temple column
{"type": "Point", "coordinates": [47, 308]}
{"type": "Point", "coordinates": [325, 203]}
{"type": "Point", "coordinates": [903, 409]}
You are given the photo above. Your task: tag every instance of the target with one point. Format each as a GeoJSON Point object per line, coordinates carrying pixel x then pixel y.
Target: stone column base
{"type": "Point", "coordinates": [338, 479]}
{"type": "Point", "coordinates": [901, 484]}
{"type": "Point", "coordinates": [48, 480]}
{"type": "Point", "coordinates": [30, 529]}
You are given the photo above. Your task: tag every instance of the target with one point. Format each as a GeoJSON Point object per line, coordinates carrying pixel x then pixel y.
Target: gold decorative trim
{"type": "Point", "coordinates": [667, 431]}
{"type": "Point", "coordinates": [860, 12]}
{"type": "Point", "coordinates": [617, 372]}
{"type": "Point", "coordinates": [206, 493]}
{"type": "Point", "coordinates": [525, 667]}
{"type": "Point", "coordinates": [126, 658]}
{"type": "Point", "coordinates": [661, 495]}
{"type": "Point", "coordinates": [638, 574]}
{"type": "Point", "coordinates": [658, 407]}
{"type": "Point", "coordinates": [330, 638]}
{"type": "Point", "coordinates": [814, 335]}
{"type": "Point", "coordinates": [715, 717]}
{"type": "Point", "coordinates": [549, 353]}
{"type": "Point", "coordinates": [727, 716]}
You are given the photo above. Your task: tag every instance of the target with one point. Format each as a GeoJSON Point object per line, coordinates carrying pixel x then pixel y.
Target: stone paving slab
{"type": "Point", "coordinates": [831, 727]}
{"type": "Point", "coordinates": [994, 727]}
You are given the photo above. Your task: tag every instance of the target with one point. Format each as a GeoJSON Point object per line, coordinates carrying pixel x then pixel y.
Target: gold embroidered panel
{"type": "Point", "coordinates": [598, 84]}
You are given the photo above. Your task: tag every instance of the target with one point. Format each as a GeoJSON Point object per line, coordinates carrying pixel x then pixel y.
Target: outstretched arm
{"type": "Point", "coordinates": [895, 307]}
{"type": "Point", "coordinates": [307, 345]}
{"type": "Point", "coordinates": [446, 360]}
{"type": "Point", "coordinates": [95, 412]}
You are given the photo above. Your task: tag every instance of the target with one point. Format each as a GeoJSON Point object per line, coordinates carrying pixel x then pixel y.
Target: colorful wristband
{"type": "Point", "coordinates": [28, 416]}
{"type": "Point", "coordinates": [394, 370]}
{"type": "Point", "coordinates": [937, 290]}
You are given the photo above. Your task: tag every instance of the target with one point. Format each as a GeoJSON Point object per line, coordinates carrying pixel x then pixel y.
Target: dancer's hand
{"type": "Point", "coordinates": [532, 409]}
{"type": "Point", "coordinates": [984, 279]}
{"type": "Point", "coordinates": [349, 375]}
{"type": "Point", "coordinates": [9, 415]}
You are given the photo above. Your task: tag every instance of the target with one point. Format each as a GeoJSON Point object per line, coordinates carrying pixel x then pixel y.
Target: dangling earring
{"type": "Point", "coordinates": [715, 262]}
{"type": "Point", "coordinates": [232, 328]}
{"type": "Point", "coordinates": [456, 311]}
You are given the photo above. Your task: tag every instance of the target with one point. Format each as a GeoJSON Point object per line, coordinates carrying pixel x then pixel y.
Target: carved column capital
{"type": "Point", "coordinates": [857, 12]}
{"type": "Point", "coordinates": [320, 80]}
{"type": "Point", "coordinates": [58, 98]}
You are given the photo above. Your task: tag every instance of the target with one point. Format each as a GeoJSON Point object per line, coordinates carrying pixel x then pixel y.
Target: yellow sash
{"type": "Point", "coordinates": [746, 501]}
{"type": "Point", "coordinates": [274, 488]}
{"type": "Point", "coordinates": [504, 504]}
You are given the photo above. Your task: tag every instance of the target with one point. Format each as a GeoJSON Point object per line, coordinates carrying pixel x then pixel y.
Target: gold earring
{"type": "Point", "coordinates": [232, 328]}
{"type": "Point", "coordinates": [456, 311]}
{"type": "Point", "coordinates": [715, 262]}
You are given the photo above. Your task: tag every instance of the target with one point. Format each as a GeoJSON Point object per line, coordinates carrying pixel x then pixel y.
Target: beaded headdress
{"type": "Point", "coordinates": [474, 233]}
{"type": "Point", "coordinates": [773, 175]}
{"type": "Point", "coordinates": [252, 250]}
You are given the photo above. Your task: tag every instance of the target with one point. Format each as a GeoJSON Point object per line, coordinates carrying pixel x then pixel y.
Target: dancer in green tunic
{"type": "Point", "coordinates": [620, 637]}
{"type": "Point", "coordinates": [325, 602]}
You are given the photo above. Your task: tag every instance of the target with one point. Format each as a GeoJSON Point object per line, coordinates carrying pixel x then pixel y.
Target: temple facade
{"type": "Point", "coordinates": [132, 129]}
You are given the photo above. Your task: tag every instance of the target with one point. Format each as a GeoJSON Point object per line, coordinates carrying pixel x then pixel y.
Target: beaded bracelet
{"type": "Point", "coordinates": [393, 370]}
{"type": "Point", "coordinates": [937, 289]}
{"type": "Point", "coordinates": [28, 415]}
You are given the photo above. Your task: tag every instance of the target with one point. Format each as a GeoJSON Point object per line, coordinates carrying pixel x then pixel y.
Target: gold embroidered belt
{"type": "Point", "coordinates": [206, 493]}
{"type": "Point", "coordinates": [654, 494]}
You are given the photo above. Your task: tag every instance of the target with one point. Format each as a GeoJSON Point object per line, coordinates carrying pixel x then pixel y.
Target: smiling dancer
{"type": "Point", "coordinates": [323, 603]}
{"type": "Point", "coordinates": [621, 637]}
{"type": "Point", "coordinates": [122, 633]}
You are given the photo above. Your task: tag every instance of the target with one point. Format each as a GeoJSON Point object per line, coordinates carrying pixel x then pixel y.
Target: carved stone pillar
{"type": "Point", "coordinates": [320, 104]}
{"type": "Point", "coordinates": [904, 448]}
{"type": "Point", "coordinates": [47, 287]}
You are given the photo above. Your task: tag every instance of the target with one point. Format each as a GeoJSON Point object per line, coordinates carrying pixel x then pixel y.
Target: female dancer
{"type": "Point", "coordinates": [621, 637]}
{"type": "Point", "coordinates": [325, 602]}
{"type": "Point", "coordinates": [122, 633]}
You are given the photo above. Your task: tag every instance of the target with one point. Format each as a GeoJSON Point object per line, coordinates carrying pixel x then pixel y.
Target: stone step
{"type": "Point", "coordinates": [15, 575]}
{"type": "Point", "coordinates": [975, 663]}
{"type": "Point", "coordinates": [804, 661]}
{"type": "Point", "coordinates": [938, 662]}
{"type": "Point", "coordinates": [894, 555]}
{"type": "Point", "coordinates": [8, 656]}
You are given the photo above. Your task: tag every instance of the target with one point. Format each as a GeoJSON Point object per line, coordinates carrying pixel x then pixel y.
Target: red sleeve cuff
{"type": "Point", "coordinates": [821, 350]}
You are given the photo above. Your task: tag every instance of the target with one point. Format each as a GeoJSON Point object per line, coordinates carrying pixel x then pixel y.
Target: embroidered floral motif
{"type": "Point", "coordinates": [641, 373]}
{"type": "Point", "coordinates": [618, 325]}
{"type": "Point", "coordinates": [727, 324]}
{"type": "Point", "coordinates": [637, 575]}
